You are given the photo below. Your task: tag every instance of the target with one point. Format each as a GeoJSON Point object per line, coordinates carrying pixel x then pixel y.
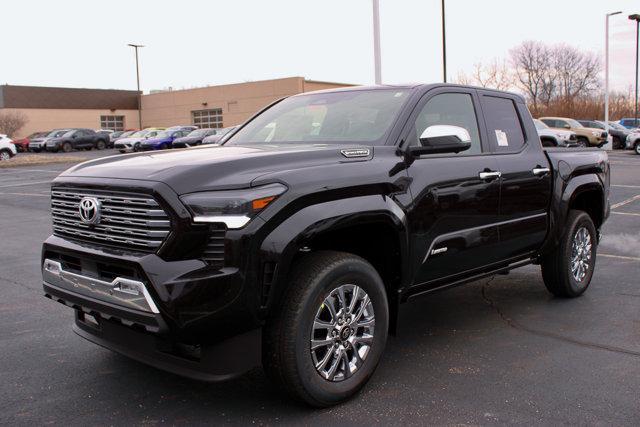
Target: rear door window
{"type": "Point", "coordinates": [503, 124]}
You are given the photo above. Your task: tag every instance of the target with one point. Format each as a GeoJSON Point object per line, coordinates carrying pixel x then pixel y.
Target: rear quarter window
{"type": "Point", "coordinates": [503, 124]}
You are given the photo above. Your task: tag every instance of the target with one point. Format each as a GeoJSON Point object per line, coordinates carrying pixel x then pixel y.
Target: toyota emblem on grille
{"type": "Point", "coordinates": [89, 210]}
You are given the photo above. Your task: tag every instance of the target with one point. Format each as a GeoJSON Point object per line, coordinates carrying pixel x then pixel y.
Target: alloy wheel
{"type": "Point", "coordinates": [580, 254]}
{"type": "Point", "coordinates": [342, 333]}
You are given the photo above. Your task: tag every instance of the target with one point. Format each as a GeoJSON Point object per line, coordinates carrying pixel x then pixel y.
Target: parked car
{"type": "Point", "coordinates": [618, 132]}
{"type": "Point", "coordinates": [39, 144]}
{"type": "Point", "coordinates": [633, 141]}
{"type": "Point", "coordinates": [22, 144]}
{"type": "Point", "coordinates": [7, 147]}
{"type": "Point", "coordinates": [219, 136]}
{"type": "Point", "coordinates": [295, 249]}
{"type": "Point", "coordinates": [555, 137]}
{"type": "Point", "coordinates": [618, 137]}
{"type": "Point", "coordinates": [76, 139]}
{"type": "Point", "coordinates": [630, 123]}
{"type": "Point", "coordinates": [132, 142]}
{"type": "Point", "coordinates": [119, 135]}
{"type": "Point", "coordinates": [587, 137]}
{"type": "Point", "coordinates": [194, 138]}
{"type": "Point", "coordinates": [189, 128]}
{"type": "Point", "coordinates": [163, 140]}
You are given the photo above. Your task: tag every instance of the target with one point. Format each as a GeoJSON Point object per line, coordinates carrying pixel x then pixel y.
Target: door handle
{"type": "Point", "coordinates": [487, 175]}
{"type": "Point", "coordinates": [538, 171]}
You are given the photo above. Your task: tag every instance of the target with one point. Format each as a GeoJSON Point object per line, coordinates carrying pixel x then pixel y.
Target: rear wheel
{"type": "Point", "coordinates": [636, 147]}
{"type": "Point", "coordinates": [568, 270]}
{"type": "Point", "coordinates": [5, 155]}
{"type": "Point", "coordinates": [66, 147]}
{"type": "Point", "coordinates": [329, 332]}
{"type": "Point", "coordinates": [100, 145]}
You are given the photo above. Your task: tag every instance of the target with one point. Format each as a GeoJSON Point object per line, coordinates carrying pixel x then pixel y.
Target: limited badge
{"type": "Point", "coordinates": [355, 152]}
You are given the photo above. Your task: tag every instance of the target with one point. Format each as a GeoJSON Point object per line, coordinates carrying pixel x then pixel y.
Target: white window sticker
{"type": "Point", "coordinates": [501, 137]}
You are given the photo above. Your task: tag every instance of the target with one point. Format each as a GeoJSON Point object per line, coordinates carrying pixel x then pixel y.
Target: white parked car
{"type": "Point", "coordinates": [633, 141]}
{"type": "Point", "coordinates": [7, 148]}
{"type": "Point", "coordinates": [555, 137]}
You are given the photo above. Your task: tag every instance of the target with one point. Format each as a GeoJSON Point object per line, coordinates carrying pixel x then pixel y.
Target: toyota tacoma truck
{"type": "Point", "coordinates": [295, 244]}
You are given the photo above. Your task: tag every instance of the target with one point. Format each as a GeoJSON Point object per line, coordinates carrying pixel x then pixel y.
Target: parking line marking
{"type": "Point", "coordinates": [24, 184]}
{"type": "Point", "coordinates": [25, 194]}
{"type": "Point", "coordinates": [625, 186]}
{"type": "Point", "coordinates": [628, 258]}
{"type": "Point", "coordinates": [626, 202]}
{"type": "Point", "coordinates": [626, 213]}
{"type": "Point", "coordinates": [8, 170]}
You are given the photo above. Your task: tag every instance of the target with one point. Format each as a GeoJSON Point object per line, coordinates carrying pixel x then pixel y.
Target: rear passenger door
{"type": "Point", "coordinates": [453, 214]}
{"type": "Point", "coordinates": [525, 192]}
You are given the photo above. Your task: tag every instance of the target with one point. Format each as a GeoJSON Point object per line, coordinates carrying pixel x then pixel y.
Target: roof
{"type": "Point", "coordinates": [67, 98]}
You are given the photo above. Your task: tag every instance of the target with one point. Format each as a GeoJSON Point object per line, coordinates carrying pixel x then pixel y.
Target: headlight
{"type": "Point", "coordinates": [561, 135]}
{"type": "Point", "coordinates": [235, 208]}
{"type": "Point", "coordinates": [595, 133]}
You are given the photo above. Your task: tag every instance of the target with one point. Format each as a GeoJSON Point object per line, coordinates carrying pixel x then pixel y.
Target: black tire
{"type": "Point", "coordinates": [122, 151]}
{"type": "Point", "coordinates": [101, 145]}
{"type": "Point", "coordinates": [617, 143]}
{"type": "Point", "coordinates": [287, 350]}
{"type": "Point", "coordinates": [582, 142]}
{"type": "Point", "coordinates": [636, 147]}
{"type": "Point", "coordinates": [556, 270]}
{"type": "Point", "coordinates": [136, 147]}
{"type": "Point", "coordinates": [35, 150]}
{"type": "Point", "coordinates": [66, 147]}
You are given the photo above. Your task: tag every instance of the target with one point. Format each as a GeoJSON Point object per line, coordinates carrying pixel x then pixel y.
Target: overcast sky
{"type": "Point", "coordinates": [196, 43]}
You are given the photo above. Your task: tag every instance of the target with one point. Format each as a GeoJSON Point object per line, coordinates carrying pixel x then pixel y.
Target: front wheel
{"type": "Point", "coordinates": [582, 142]}
{"type": "Point", "coordinates": [568, 270]}
{"type": "Point", "coordinates": [66, 147]}
{"type": "Point", "coordinates": [636, 148]}
{"type": "Point", "coordinates": [5, 155]}
{"type": "Point", "coordinates": [101, 145]}
{"type": "Point", "coordinates": [329, 331]}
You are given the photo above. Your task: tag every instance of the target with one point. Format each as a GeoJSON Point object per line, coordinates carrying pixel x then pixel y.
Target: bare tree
{"type": "Point", "coordinates": [578, 72]}
{"type": "Point", "coordinates": [11, 122]}
{"type": "Point", "coordinates": [532, 63]}
{"type": "Point", "coordinates": [495, 75]}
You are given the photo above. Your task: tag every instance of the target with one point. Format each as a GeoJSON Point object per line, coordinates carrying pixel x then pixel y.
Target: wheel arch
{"type": "Point", "coordinates": [371, 227]}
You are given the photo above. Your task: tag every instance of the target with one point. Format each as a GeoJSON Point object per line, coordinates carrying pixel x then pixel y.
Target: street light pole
{"type": "Point", "coordinates": [606, 73]}
{"type": "Point", "coordinates": [376, 42]}
{"type": "Point", "coordinates": [136, 46]}
{"type": "Point", "coordinates": [444, 47]}
{"type": "Point", "coordinates": [636, 18]}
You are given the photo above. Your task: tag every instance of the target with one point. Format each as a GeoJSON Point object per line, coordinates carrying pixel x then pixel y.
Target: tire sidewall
{"type": "Point", "coordinates": [358, 273]}
{"type": "Point", "coordinates": [581, 219]}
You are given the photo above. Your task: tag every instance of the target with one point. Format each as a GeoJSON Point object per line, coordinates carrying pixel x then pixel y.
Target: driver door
{"type": "Point", "coordinates": [454, 213]}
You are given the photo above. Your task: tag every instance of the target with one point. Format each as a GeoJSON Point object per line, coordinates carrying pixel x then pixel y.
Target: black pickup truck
{"type": "Point", "coordinates": [78, 139]}
{"type": "Point", "coordinates": [295, 243]}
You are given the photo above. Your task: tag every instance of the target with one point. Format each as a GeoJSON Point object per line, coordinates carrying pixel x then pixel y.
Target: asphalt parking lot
{"type": "Point", "coordinates": [498, 351]}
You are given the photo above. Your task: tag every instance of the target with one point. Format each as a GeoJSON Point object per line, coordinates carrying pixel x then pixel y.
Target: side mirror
{"type": "Point", "coordinates": [438, 139]}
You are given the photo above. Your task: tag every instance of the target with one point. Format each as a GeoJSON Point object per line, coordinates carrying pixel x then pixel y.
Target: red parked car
{"type": "Point", "coordinates": [23, 144]}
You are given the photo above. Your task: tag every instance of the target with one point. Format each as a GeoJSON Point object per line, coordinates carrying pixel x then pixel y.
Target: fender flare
{"type": "Point", "coordinates": [560, 207]}
{"type": "Point", "coordinates": [284, 242]}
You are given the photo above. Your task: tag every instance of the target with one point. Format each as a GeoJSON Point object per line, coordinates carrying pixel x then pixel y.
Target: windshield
{"type": "Point", "coordinates": [199, 132]}
{"type": "Point", "coordinates": [140, 134]}
{"type": "Point", "coordinates": [69, 133]}
{"type": "Point", "coordinates": [540, 125]}
{"type": "Point", "coordinates": [574, 123]}
{"type": "Point", "coordinates": [162, 134]}
{"type": "Point", "coordinates": [127, 134]}
{"type": "Point", "coordinates": [57, 133]}
{"type": "Point", "coordinates": [617, 126]}
{"type": "Point", "coordinates": [332, 117]}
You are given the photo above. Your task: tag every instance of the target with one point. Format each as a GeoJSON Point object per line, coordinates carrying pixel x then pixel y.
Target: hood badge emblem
{"type": "Point", "coordinates": [355, 152]}
{"type": "Point", "coordinates": [89, 210]}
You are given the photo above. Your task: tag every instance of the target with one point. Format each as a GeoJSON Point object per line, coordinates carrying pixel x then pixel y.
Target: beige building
{"type": "Point", "coordinates": [47, 108]}
{"type": "Point", "coordinates": [224, 105]}
{"type": "Point", "coordinates": [213, 106]}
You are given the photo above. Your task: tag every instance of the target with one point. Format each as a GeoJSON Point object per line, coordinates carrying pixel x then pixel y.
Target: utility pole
{"type": "Point", "coordinates": [636, 18]}
{"type": "Point", "coordinates": [376, 42]}
{"type": "Point", "coordinates": [444, 47]}
{"type": "Point", "coordinates": [136, 46]}
{"type": "Point", "coordinates": [606, 73]}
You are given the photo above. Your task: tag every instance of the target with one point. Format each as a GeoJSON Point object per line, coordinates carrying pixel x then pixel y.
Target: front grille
{"type": "Point", "coordinates": [214, 250]}
{"type": "Point", "coordinates": [573, 137]}
{"type": "Point", "coordinates": [127, 220]}
{"type": "Point", "coordinates": [604, 135]}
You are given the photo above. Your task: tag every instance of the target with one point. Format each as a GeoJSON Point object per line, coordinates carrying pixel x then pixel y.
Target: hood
{"type": "Point", "coordinates": [563, 132]}
{"type": "Point", "coordinates": [215, 167]}
{"type": "Point", "coordinates": [188, 139]}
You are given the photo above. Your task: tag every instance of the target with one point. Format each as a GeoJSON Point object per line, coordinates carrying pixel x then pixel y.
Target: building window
{"type": "Point", "coordinates": [112, 122]}
{"type": "Point", "coordinates": [207, 118]}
